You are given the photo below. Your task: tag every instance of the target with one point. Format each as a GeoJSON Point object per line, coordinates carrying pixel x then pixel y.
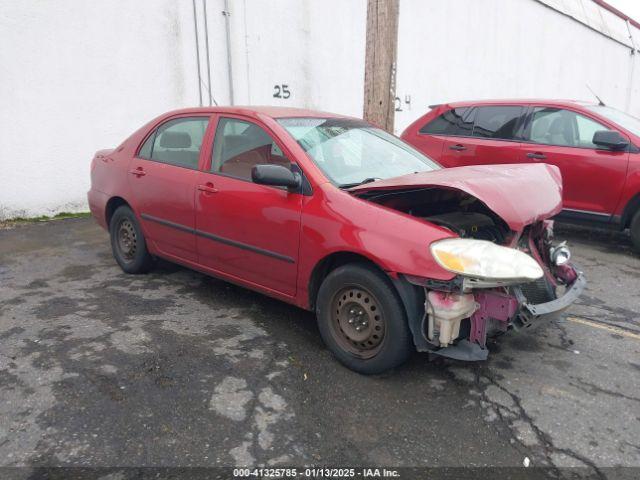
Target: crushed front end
{"type": "Point", "coordinates": [507, 272]}
{"type": "Point", "coordinates": [459, 315]}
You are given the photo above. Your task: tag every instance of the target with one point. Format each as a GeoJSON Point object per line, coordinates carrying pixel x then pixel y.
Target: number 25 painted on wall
{"type": "Point", "coordinates": [281, 91]}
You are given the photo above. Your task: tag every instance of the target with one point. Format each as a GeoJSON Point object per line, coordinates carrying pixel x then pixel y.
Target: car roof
{"type": "Point", "coordinates": [269, 111]}
{"type": "Point", "coordinates": [522, 101]}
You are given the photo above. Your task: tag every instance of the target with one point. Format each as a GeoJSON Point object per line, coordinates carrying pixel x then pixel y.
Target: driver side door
{"type": "Point", "coordinates": [592, 176]}
{"type": "Point", "coordinates": [247, 232]}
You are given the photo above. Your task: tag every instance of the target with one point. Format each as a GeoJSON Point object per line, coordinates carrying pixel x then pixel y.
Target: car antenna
{"type": "Point", "coordinates": [600, 102]}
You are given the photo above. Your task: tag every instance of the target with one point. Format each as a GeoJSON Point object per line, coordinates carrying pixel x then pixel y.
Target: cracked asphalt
{"type": "Point", "coordinates": [173, 368]}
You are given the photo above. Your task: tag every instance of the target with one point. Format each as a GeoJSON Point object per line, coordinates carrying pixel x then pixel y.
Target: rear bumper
{"type": "Point", "coordinates": [98, 206]}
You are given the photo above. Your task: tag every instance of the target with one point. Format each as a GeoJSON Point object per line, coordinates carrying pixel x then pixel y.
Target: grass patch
{"type": "Point", "coordinates": [43, 218]}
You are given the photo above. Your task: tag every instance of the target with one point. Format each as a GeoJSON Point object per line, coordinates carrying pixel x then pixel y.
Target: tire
{"type": "Point", "coordinates": [635, 231]}
{"type": "Point", "coordinates": [128, 243]}
{"type": "Point", "coordinates": [362, 320]}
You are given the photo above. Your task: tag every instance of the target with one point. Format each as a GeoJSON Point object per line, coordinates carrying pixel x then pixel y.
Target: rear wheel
{"type": "Point", "coordinates": [128, 243]}
{"type": "Point", "coordinates": [362, 320]}
{"type": "Point", "coordinates": [635, 230]}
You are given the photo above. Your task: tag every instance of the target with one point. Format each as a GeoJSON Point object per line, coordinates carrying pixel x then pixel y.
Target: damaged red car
{"type": "Point", "coordinates": [336, 216]}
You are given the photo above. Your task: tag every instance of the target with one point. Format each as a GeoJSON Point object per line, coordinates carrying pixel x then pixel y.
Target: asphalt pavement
{"type": "Point", "coordinates": [173, 368]}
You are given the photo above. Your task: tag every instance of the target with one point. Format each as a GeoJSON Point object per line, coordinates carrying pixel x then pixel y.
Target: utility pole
{"type": "Point", "coordinates": [380, 62]}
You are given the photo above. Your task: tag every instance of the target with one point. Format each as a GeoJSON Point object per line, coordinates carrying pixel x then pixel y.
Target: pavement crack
{"type": "Point", "coordinates": [618, 314]}
{"type": "Point", "coordinates": [544, 439]}
{"type": "Point", "coordinates": [629, 444]}
{"type": "Point", "coordinates": [565, 342]}
{"type": "Point", "coordinates": [594, 389]}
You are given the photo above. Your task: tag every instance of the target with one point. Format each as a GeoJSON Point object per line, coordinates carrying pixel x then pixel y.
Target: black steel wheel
{"type": "Point", "coordinates": [635, 231]}
{"type": "Point", "coordinates": [127, 239]}
{"type": "Point", "coordinates": [358, 324]}
{"type": "Point", "coordinates": [362, 320]}
{"type": "Point", "coordinates": [128, 243]}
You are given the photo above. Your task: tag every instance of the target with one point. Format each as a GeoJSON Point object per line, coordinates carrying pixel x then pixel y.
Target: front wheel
{"type": "Point", "coordinates": [362, 320]}
{"type": "Point", "coordinates": [635, 231]}
{"type": "Point", "coordinates": [127, 242]}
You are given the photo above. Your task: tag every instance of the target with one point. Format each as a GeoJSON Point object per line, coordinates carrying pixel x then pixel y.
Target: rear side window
{"type": "Point", "coordinates": [497, 122]}
{"type": "Point", "coordinates": [176, 142]}
{"type": "Point", "coordinates": [240, 145]}
{"type": "Point", "coordinates": [457, 121]}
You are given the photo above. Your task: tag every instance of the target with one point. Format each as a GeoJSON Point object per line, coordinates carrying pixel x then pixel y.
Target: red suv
{"type": "Point", "coordinates": [595, 147]}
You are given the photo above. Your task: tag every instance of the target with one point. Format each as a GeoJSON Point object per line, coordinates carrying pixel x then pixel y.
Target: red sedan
{"type": "Point", "coordinates": [596, 148]}
{"type": "Point", "coordinates": [334, 215]}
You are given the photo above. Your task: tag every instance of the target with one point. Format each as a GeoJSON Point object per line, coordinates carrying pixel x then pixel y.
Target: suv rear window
{"type": "Point", "coordinates": [457, 121]}
{"type": "Point", "coordinates": [497, 122]}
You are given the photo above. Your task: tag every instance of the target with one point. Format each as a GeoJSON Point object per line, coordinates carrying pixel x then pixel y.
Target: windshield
{"type": "Point", "coordinates": [351, 152]}
{"type": "Point", "coordinates": [616, 116]}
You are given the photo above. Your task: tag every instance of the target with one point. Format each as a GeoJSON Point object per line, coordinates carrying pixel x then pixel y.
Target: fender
{"type": "Point", "coordinates": [630, 199]}
{"type": "Point", "coordinates": [334, 221]}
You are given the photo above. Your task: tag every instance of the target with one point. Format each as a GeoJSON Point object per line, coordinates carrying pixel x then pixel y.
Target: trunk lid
{"type": "Point", "coordinates": [521, 194]}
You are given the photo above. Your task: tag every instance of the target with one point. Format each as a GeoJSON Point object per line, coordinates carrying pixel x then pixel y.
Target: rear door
{"type": "Point", "coordinates": [487, 134]}
{"type": "Point", "coordinates": [162, 176]}
{"type": "Point", "coordinates": [247, 231]}
{"type": "Point", "coordinates": [593, 177]}
{"type": "Point", "coordinates": [445, 138]}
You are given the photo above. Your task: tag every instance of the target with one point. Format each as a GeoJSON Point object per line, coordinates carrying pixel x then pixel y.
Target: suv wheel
{"type": "Point", "coordinates": [362, 320]}
{"type": "Point", "coordinates": [127, 242]}
{"type": "Point", "coordinates": [635, 230]}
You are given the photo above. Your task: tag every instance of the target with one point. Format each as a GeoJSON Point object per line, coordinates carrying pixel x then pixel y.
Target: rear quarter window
{"type": "Point", "coordinates": [145, 150]}
{"type": "Point", "coordinates": [457, 121]}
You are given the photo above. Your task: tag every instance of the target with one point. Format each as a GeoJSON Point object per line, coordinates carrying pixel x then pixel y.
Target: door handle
{"type": "Point", "coordinates": [458, 147]}
{"type": "Point", "coordinates": [207, 188]}
{"type": "Point", "coordinates": [138, 172]}
{"type": "Point", "coordinates": [536, 155]}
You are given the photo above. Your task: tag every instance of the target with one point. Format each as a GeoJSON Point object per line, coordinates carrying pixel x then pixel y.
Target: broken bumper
{"type": "Point", "coordinates": [503, 311]}
{"type": "Point", "coordinates": [530, 311]}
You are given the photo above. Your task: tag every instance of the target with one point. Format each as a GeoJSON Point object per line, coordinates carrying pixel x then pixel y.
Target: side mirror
{"type": "Point", "coordinates": [275, 175]}
{"type": "Point", "coordinates": [610, 139]}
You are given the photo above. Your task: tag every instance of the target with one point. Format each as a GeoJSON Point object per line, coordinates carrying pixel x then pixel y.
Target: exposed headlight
{"type": "Point", "coordinates": [485, 260]}
{"type": "Point", "coordinates": [561, 254]}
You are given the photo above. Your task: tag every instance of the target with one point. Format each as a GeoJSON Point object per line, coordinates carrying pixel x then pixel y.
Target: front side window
{"type": "Point", "coordinates": [240, 145]}
{"type": "Point", "coordinates": [176, 142]}
{"type": "Point", "coordinates": [555, 126]}
{"type": "Point", "coordinates": [350, 152]}
{"type": "Point", "coordinates": [457, 121]}
{"type": "Point", "coordinates": [497, 122]}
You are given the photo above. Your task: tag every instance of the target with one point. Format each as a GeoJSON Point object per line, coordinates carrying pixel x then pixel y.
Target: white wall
{"type": "Point", "coordinates": [78, 76]}
{"type": "Point", "coordinates": [459, 50]}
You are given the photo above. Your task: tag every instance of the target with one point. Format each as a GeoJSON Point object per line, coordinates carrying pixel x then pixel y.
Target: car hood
{"type": "Point", "coordinates": [520, 194]}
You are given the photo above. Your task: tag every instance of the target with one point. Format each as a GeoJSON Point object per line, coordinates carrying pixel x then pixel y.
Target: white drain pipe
{"type": "Point", "coordinates": [195, 26]}
{"type": "Point", "coordinates": [227, 14]}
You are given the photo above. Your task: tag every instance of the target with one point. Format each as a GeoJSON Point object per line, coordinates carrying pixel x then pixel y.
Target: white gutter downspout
{"type": "Point", "coordinates": [227, 14]}
{"type": "Point", "coordinates": [195, 25]}
{"type": "Point", "coordinates": [206, 40]}
{"type": "Point", "coordinates": [632, 68]}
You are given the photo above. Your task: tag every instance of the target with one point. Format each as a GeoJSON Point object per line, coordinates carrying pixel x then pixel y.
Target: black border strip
{"type": "Point", "coordinates": [216, 238]}
{"type": "Point", "coordinates": [583, 216]}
